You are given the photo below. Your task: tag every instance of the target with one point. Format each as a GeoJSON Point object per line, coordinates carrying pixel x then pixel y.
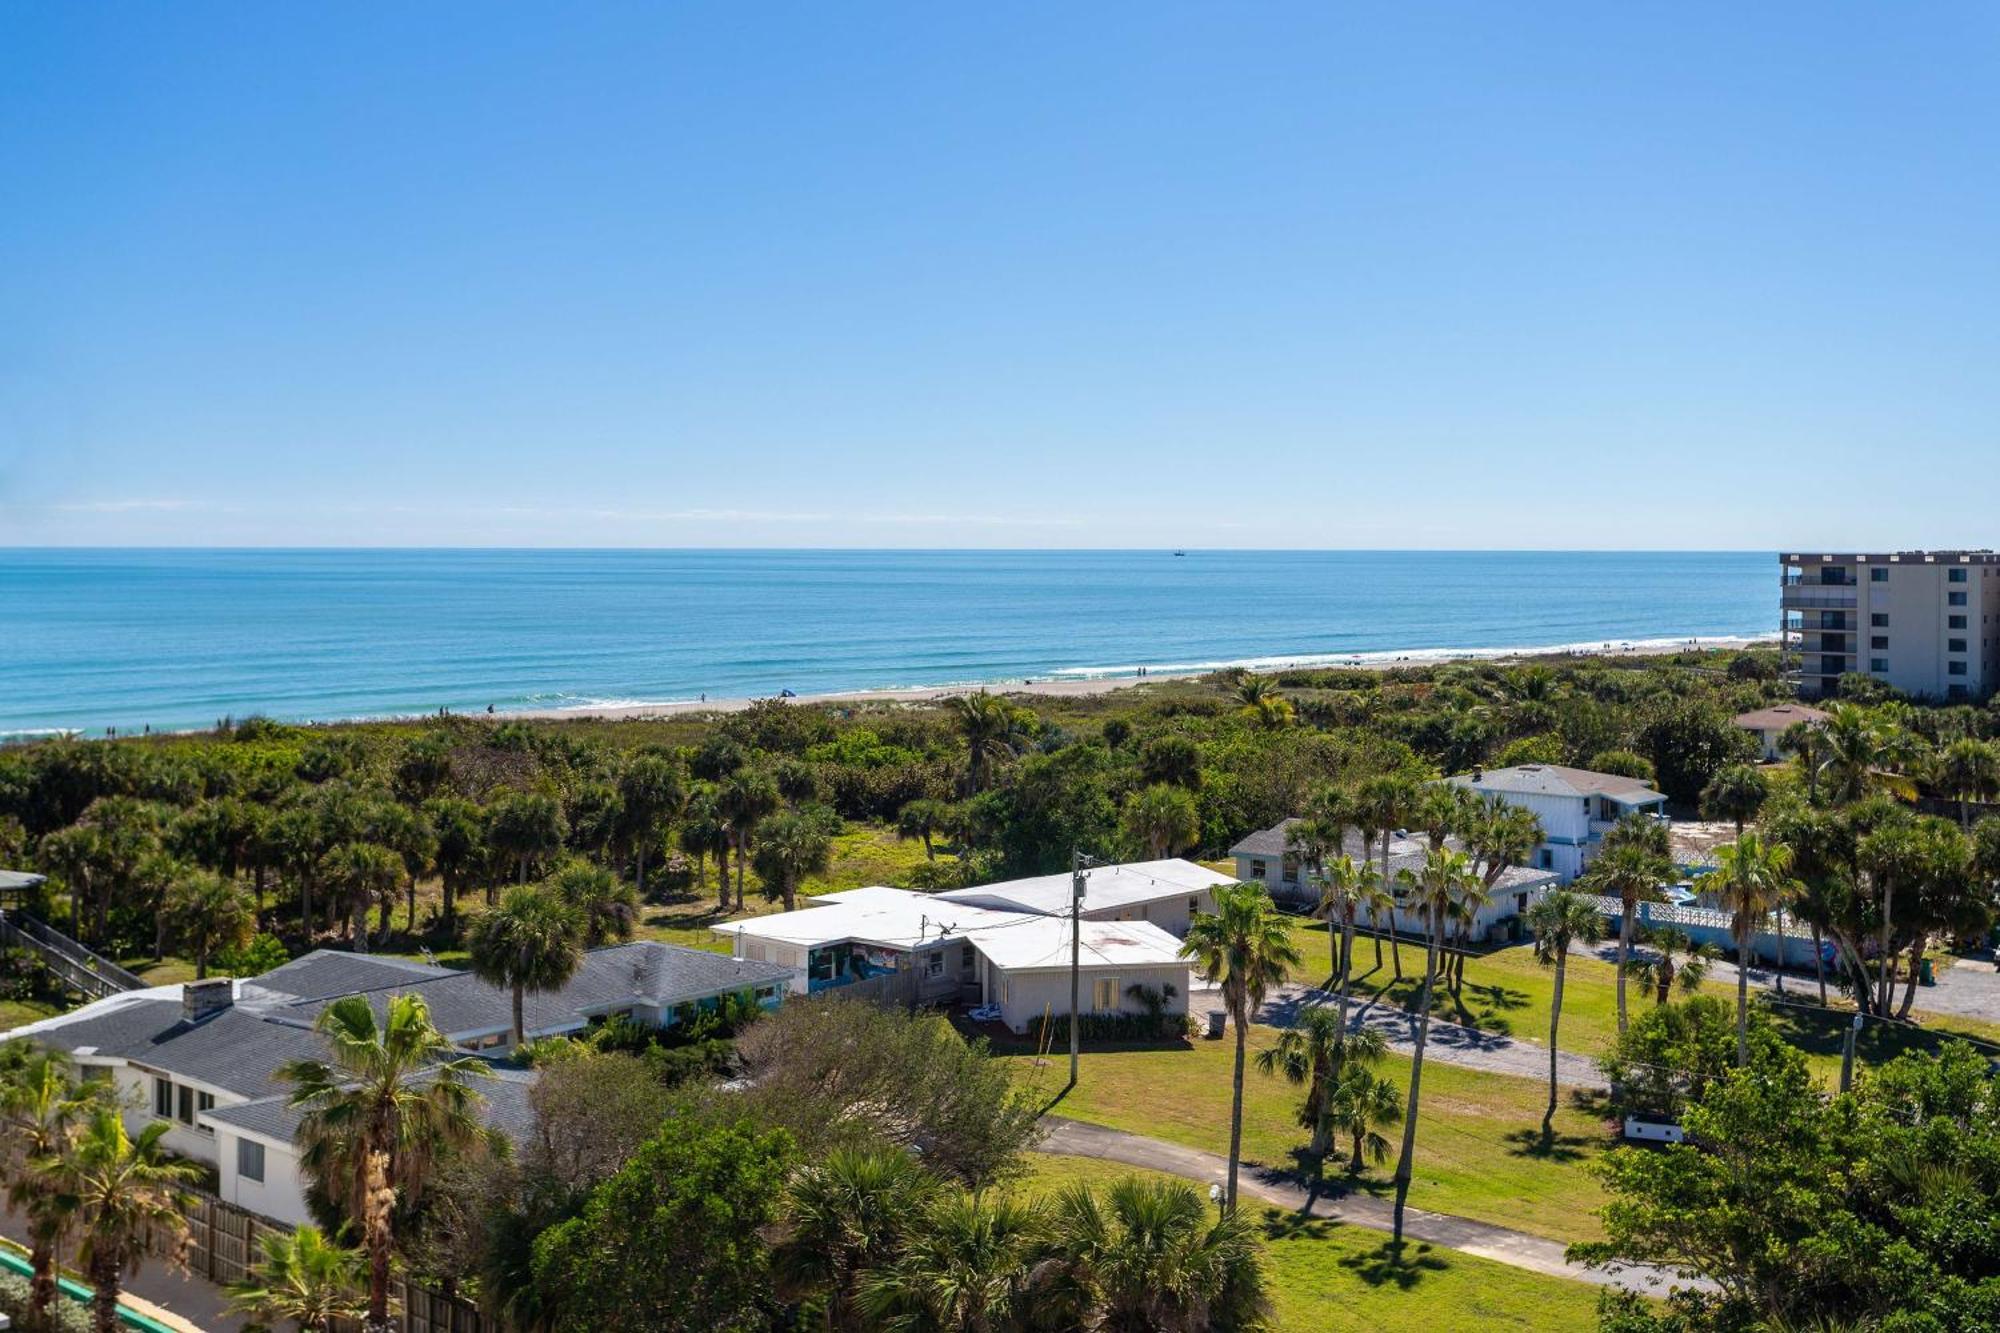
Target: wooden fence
{"type": "Point", "coordinates": [224, 1240]}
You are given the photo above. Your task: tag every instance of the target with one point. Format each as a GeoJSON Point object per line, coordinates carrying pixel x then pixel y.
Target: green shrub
{"type": "Point", "coordinates": [260, 955]}
{"type": "Point", "coordinates": [70, 1317]}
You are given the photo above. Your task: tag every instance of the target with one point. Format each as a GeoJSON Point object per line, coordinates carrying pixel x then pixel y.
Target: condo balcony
{"type": "Point", "coordinates": [1803, 597]}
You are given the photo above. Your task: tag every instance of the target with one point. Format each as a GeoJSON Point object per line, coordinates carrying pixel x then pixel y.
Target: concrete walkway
{"type": "Point", "coordinates": [176, 1299]}
{"type": "Point", "coordinates": [1516, 1249]}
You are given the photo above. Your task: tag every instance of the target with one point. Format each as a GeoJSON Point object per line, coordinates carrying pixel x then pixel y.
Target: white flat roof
{"type": "Point", "coordinates": [1104, 886]}
{"type": "Point", "coordinates": [1027, 943]}
{"type": "Point", "coordinates": [888, 918]}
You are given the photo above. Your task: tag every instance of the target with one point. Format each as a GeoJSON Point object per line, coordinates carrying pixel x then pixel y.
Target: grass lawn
{"type": "Point", "coordinates": [13, 1013]}
{"type": "Point", "coordinates": [1479, 1150]}
{"type": "Point", "coordinates": [1327, 1277]}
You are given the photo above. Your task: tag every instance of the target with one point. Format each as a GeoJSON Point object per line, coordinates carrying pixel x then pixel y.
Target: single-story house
{"type": "Point", "coordinates": [1168, 893]}
{"type": "Point", "coordinates": [1768, 725]}
{"type": "Point", "coordinates": [1576, 806]}
{"type": "Point", "coordinates": [1024, 968]}
{"type": "Point", "coordinates": [1266, 855]}
{"type": "Point", "coordinates": [859, 934]}
{"type": "Point", "coordinates": [204, 1057]}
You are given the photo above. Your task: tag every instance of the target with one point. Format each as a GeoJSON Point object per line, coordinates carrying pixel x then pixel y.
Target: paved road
{"type": "Point", "coordinates": [1970, 988]}
{"type": "Point", "coordinates": [1449, 1043]}
{"type": "Point", "coordinates": [1517, 1249]}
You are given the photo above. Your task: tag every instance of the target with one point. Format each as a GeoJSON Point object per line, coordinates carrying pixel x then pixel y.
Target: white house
{"type": "Point", "coordinates": [1769, 725]}
{"type": "Point", "coordinates": [1169, 893]}
{"type": "Point", "coordinates": [1576, 806]}
{"type": "Point", "coordinates": [1266, 855]}
{"type": "Point", "coordinates": [1024, 968]}
{"type": "Point", "coordinates": [204, 1057]}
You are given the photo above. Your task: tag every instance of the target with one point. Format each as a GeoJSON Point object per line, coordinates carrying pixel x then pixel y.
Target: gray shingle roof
{"type": "Point", "coordinates": [18, 879]}
{"type": "Point", "coordinates": [326, 973]}
{"type": "Point", "coordinates": [1556, 780]}
{"type": "Point", "coordinates": [1405, 853]}
{"type": "Point", "coordinates": [503, 1104]}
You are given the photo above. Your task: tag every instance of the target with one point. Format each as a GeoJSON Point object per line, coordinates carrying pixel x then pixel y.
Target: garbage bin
{"type": "Point", "coordinates": [1216, 1019]}
{"type": "Point", "coordinates": [1925, 975]}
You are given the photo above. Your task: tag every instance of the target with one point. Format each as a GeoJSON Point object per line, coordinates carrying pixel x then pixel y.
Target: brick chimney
{"type": "Point", "coordinates": [199, 999]}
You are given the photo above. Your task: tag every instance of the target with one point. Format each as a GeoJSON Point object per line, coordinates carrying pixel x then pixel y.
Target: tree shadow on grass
{"type": "Point", "coordinates": [1384, 1265]}
{"type": "Point", "coordinates": [1557, 1147]}
{"type": "Point", "coordinates": [1279, 1224]}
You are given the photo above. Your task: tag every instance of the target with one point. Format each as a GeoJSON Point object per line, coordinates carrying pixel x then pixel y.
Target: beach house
{"type": "Point", "coordinates": [204, 1057]}
{"type": "Point", "coordinates": [1769, 726]}
{"type": "Point", "coordinates": [1266, 855]}
{"type": "Point", "coordinates": [1576, 806]}
{"type": "Point", "coordinates": [1168, 893]}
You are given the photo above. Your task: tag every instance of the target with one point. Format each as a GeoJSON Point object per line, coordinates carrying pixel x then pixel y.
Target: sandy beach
{"type": "Point", "coordinates": [1072, 686]}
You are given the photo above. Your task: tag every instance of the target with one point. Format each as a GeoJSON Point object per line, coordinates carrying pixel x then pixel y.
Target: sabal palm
{"type": "Point", "coordinates": [1631, 868]}
{"type": "Point", "coordinates": [1860, 754]}
{"type": "Point", "coordinates": [1806, 743]}
{"type": "Point", "coordinates": [123, 1196]}
{"type": "Point", "coordinates": [206, 912]}
{"type": "Point", "coordinates": [1244, 948]}
{"type": "Point", "coordinates": [990, 728]}
{"type": "Point", "coordinates": [851, 1214]}
{"type": "Point", "coordinates": [1160, 820]}
{"type": "Point", "coordinates": [791, 849]}
{"type": "Point", "coordinates": [746, 799]}
{"type": "Point", "coordinates": [1446, 876]}
{"type": "Point", "coordinates": [1736, 793]}
{"type": "Point", "coordinates": [1382, 803]}
{"type": "Point", "coordinates": [607, 906]}
{"type": "Point", "coordinates": [1676, 960]}
{"type": "Point", "coordinates": [41, 1108]}
{"type": "Point", "coordinates": [363, 874]}
{"type": "Point", "coordinates": [966, 1269]}
{"type": "Point", "coordinates": [1559, 920]}
{"type": "Point", "coordinates": [1752, 878]}
{"type": "Point", "coordinates": [1344, 887]}
{"type": "Point", "coordinates": [1967, 770]}
{"type": "Point", "coordinates": [393, 1098]}
{"type": "Point", "coordinates": [533, 941]}
{"type": "Point", "coordinates": [1318, 840]}
{"type": "Point", "coordinates": [1311, 1054]}
{"type": "Point", "coordinates": [306, 1278]}
{"type": "Point", "coordinates": [1146, 1256]}
{"type": "Point", "coordinates": [1364, 1104]}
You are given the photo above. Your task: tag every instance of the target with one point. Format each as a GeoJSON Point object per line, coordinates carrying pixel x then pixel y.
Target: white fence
{"type": "Point", "coordinates": [1705, 925]}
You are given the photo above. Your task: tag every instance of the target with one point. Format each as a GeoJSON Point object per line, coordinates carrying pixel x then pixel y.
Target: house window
{"type": "Point", "coordinates": [1954, 645]}
{"type": "Point", "coordinates": [184, 1105]}
{"type": "Point", "coordinates": [1006, 990]}
{"type": "Point", "coordinates": [1954, 622]}
{"type": "Point", "coordinates": [250, 1160]}
{"type": "Point", "coordinates": [1194, 905]}
{"type": "Point", "coordinates": [1878, 575]}
{"type": "Point", "coordinates": [1879, 619]}
{"type": "Point", "coordinates": [1546, 859]}
{"type": "Point", "coordinates": [1954, 599]}
{"type": "Point", "coordinates": [1878, 641]}
{"type": "Point", "coordinates": [965, 958]}
{"type": "Point", "coordinates": [1954, 576]}
{"type": "Point", "coordinates": [1954, 668]}
{"type": "Point", "coordinates": [1878, 664]}
{"type": "Point", "coordinates": [1291, 866]}
{"type": "Point", "coordinates": [1104, 993]}
{"type": "Point", "coordinates": [767, 993]}
{"type": "Point", "coordinates": [1259, 868]}
{"type": "Point", "coordinates": [754, 951]}
{"type": "Point", "coordinates": [934, 963]}
{"type": "Point", "coordinates": [204, 1102]}
{"type": "Point", "coordinates": [163, 1098]}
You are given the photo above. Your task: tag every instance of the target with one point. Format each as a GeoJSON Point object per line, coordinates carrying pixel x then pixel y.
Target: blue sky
{"type": "Point", "coordinates": [1443, 275]}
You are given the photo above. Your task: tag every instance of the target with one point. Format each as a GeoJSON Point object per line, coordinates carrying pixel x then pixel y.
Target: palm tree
{"type": "Point", "coordinates": [746, 799]}
{"type": "Point", "coordinates": [527, 827]}
{"type": "Point", "coordinates": [1446, 876]}
{"type": "Point", "coordinates": [1860, 754]}
{"type": "Point", "coordinates": [73, 855]}
{"type": "Point", "coordinates": [394, 1098]}
{"type": "Point", "coordinates": [306, 1278]}
{"type": "Point", "coordinates": [205, 912]}
{"type": "Point", "coordinates": [1312, 1054]}
{"type": "Point", "coordinates": [1892, 855]}
{"type": "Point", "coordinates": [607, 905]}
{"type": "Point", "coordinates": [1273, 712]}
{"type": "Point", "coordinates": [704, 834]}
{"type": "Point", "coordinates": [1806, 743]}
{"type": "Point", "coordinates": [40, 1110]}
{"type": "Point", "coordinates": [923, 818]}
{"type": "Point", "coordinates": [1676, 960]}
{"type": "Point", "coordinates": [1736, 793]}
{"type": "Point", "coordinates": [1752, 877]}
{"type": "Point", "coordinates": [122, 1196]}
{"type": "Point", "coordinates": [1967, 770]}
{"type": "Point", "coordinates": [1344, 886]}
{"type": "Point", "coordinates": [1383, 802]}
{"type": "Point", "coordinates": [459, 828]}
{"type": "Point", "coordinates": [791, 849]}
{"type": "Point", "coordinates": [1146, 1257]}
{"type": "Point", "coordinates": [1244, 948]}
{"type": "Point", "coordinates": [967, 1266]}
{"type": "Point", "coordinates": [1378, 899]}
{"type": "Point", "coordinates": [1632, 866]}
{"type": "Point", "coordinates": [533, 941]}
{"type": "Point", "coordinates": [851, 1214]}
{"type": "Point", "coordinates": [650, 793]}
{"type": "Point", "coordinates": [362, 874]}
{"type": "Point", "coordinates": [990, 728]}
{"type": "Point", "coordinates": [1559, 919]}
{"type": "Point", "coordinates": [1160, 820]}
{"type": "Point", "coordinates": [1363, 1104]}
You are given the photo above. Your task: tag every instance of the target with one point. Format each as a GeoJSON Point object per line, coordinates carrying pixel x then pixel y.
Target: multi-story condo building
{"type": "Point", "coordinates": [1923, 622]}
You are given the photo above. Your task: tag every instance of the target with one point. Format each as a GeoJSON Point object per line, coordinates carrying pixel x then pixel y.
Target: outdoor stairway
{"type": "Point", "coordinates": [74, 965]}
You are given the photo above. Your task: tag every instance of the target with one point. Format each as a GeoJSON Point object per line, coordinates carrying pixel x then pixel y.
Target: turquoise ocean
{"type": "Point", "coordinates": [175, 639]}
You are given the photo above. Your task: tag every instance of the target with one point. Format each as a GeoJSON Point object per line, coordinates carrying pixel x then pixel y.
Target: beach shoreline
{"type": "Point", "coordinates": [1085, 682]}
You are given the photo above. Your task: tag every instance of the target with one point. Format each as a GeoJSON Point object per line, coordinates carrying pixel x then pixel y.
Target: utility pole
{"type": "Point", "coordinates": [1847, 1052]}
{"type": "Point", "coordinates": [1076, 880]}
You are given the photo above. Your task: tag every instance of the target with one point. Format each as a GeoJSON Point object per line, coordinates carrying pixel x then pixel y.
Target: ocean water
{"type": "Point", "coordinates": [174, 639]}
